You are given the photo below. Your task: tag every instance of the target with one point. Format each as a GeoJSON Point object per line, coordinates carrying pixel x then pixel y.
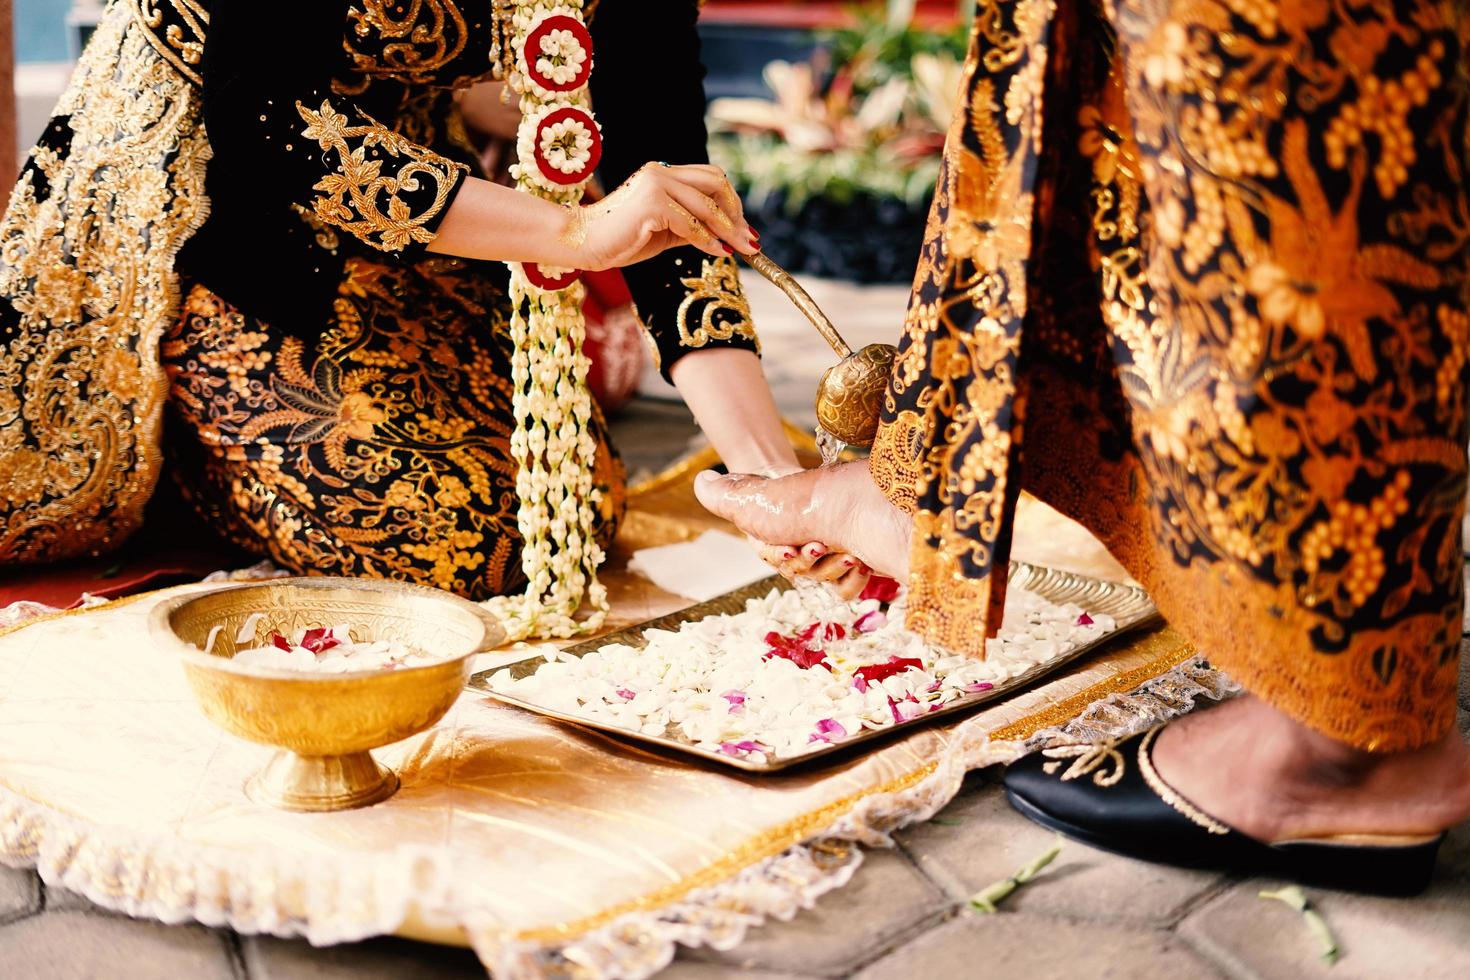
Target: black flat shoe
{"type": "Point", "coordinates": [1110, 796]}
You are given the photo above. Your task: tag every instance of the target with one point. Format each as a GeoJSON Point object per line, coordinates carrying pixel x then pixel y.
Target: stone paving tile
{"type": "Point", "coordinates": [683, 969]}
{"type": "Point", "coordinates": [652, 434]}
{"type": "Point", "coordinates": [65, 900]}
{"type": "Point", "coordinates": [20, 893]}
{"type": "Point", "coordinates": [1034, 947]}
{"type": "Point", "coordinates": [991, 840]}
{"type": "Point", "coordinates": [1424, 938]}
{"type": "Point", "coordinates": [79, 946]}
{"type": "Point", "coordinates": [883, 903]}
{"type": "Point", "coordinates": [269, 958]}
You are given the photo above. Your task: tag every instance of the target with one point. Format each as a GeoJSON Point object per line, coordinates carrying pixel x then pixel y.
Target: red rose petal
{"type": "Point", "coordinates": [1084, 620]}
{"type": "Point", "coordinates": [881, 588]}
{"type": "Point", "coordinates": [895, 665]}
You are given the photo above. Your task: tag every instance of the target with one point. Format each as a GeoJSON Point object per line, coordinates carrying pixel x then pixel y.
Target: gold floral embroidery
{"type": "Point", "coordinates": [413, 41]}
{"type": "Point", "coordinates": [86, 265]}
{"type": "Point", "coordinates": [181, 40]}
{"type": "Point", "coordinates": [383, 449]}
{"type": "Point", "coordinates": [355, 196]}
{"type": "Point", "coordinates": [1100, 760]}
{"type": "Point", "coordinates": [722, 308]}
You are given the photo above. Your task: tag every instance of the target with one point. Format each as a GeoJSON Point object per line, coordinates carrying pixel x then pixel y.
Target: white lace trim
{"type": "Point", "coordinates": [642, 943]}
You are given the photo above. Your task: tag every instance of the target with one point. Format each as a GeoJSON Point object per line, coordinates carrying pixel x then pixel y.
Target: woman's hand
{"type": "Point", "coordinates": [845, 573]}
{"type": "Point", "coordinates": [656, 209]}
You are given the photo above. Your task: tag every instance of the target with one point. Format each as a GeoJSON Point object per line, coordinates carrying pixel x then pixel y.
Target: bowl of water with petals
{"type": "Point", "coordinates": [850, 394]}
{"type": "Point", "coordinates": [324, 670]}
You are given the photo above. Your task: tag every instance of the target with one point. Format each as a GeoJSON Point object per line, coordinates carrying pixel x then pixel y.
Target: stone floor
{"type": "Point", "coordinates": [904, 914]}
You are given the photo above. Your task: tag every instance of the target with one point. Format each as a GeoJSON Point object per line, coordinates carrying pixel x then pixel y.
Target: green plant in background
{"type": "Point", "coordinates": [866, 116]}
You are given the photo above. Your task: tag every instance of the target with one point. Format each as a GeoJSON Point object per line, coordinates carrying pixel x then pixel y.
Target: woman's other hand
{"type": "Point", "coordinates": [845, 573]}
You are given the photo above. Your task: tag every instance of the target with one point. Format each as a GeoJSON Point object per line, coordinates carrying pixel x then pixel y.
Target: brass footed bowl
{"type": "Point", "coordinates": [325, 724]}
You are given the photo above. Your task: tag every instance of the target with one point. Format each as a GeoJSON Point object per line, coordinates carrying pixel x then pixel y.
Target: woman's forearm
{"type": "Point", "coordinates": [491, 222]}
{"type": "Point", "coordinates": [727, 392]}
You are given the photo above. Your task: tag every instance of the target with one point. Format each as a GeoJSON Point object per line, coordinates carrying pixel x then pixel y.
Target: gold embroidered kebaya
{"type": "Point", "coordinates": [716, 303]}
{"type": "Point", "coordinates": [1196, 275]}
{"type": "Point", "coordinates": [86, 263]}
{"type": "Point", "coordinates": [177, 35]}
{"type": "Point", "coordinates": [359, 197]}
{"type": "Point", "coordinates": [341, 398]}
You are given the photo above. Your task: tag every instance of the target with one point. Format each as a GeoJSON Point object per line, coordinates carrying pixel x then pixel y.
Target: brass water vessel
{"type": "Point", "coordinates": [325, 725]}
{"type": "Point", "coordinates": [850, 394]}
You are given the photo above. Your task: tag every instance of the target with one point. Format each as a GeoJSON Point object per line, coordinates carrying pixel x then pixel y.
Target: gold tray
{"type": "Point", "coordinates": [1130, 607]}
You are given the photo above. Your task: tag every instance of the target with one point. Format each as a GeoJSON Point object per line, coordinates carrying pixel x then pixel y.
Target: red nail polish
{"type": "Point", "coordinates": [788, 555]}
{"type": "Point", "coordinates": [727, 248]}
{"type": "Point", "coordinates": [755, 244]}
{"type": "Point", "coordinates": [755, 235]}
{"type": "Point", "coordinates": [849, 562]}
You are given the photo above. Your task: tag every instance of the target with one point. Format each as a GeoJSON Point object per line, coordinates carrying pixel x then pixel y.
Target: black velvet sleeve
{"type": "Point", "coordinates": [648, 92]}
{"type": "Point", "coordinates": [282, 135]}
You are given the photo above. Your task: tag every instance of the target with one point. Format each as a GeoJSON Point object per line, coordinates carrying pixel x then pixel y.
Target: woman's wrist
{"type": "Point", "coordinates": [488, 221]}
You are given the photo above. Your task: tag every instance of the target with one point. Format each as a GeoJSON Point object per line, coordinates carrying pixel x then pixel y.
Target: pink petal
{"type": "Point", "coordinates": [736, 699]}
{"type": "Point", "coordinates": [978, 686]}
{"type": "Point", "coordinates": [1084, 620]}
{"type": "Point", "coordinates": [626, 694]}
{"type": "Point", "coordinates": [741, 748]}
{"type": "Point", "coordinates": [861, 683]}
{"type": "Point", "coordinates": [893, 707]}
{"type": "Point", "coordinates": [870, 622]}
{"type": "Point", "coordinates": [831, 726]}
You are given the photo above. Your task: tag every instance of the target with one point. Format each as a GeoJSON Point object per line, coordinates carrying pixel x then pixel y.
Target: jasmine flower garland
{"type": "Point", "coordinates": [558, 146]}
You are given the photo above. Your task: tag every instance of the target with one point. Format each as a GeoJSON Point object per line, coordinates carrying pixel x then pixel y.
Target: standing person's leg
{"type": "Point", "coordinates": [1294, 355]}
{"type": "Point", "coordinates": [1296, 373]}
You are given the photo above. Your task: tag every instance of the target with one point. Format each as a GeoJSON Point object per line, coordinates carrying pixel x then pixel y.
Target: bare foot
{"type": "Point", "coordinates": [1272, 778]}
{"type": "Point", "coordinates": [836, 505]}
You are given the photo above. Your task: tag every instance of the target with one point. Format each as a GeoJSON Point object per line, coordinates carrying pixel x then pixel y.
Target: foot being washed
{"type": "Point", "coordinates": [837, 505]}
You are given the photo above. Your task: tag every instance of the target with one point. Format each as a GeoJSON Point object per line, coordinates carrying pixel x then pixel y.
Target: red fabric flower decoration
{"type": "Point", "coordinates": [568, 114]}
{"type": "Point", "coordinates": [534, 53]}
{"type": "Point", "coordinates": [541, 280]}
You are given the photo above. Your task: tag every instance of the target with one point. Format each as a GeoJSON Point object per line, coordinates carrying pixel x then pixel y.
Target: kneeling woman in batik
{"type": "Point", "coordinates": [1197, 275]}
{"type": "Point", "coordinates": [316, 290]}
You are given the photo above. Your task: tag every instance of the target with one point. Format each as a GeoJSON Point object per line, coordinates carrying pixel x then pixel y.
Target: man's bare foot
{"type": "Point", "coordinates": [1272, 778]}
{"type": "Point", "coordinates": [836, 505]}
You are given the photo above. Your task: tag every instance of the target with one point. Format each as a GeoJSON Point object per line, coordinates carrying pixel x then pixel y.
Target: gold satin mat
{"type": "Point", "coordinates": [552, 850]}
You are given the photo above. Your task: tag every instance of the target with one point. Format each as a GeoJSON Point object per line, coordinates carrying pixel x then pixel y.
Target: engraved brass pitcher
{"type": "Point", "coordinates": [850, 394]}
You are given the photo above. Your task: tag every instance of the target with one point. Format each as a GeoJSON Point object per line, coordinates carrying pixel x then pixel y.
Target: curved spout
{"type": "Point", "coordinates": [802, 299]}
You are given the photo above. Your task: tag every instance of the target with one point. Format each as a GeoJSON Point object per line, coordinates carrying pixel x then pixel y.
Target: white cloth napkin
{"type": "Point", "coordinates": [711, 565]}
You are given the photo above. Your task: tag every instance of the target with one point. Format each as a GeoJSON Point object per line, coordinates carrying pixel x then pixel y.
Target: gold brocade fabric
{"type": "Point", "coordinates": [382, 450]}
{"type": "Point", "coordinates": [1196, 275]}
{"type": "Point", "coordinates": [542, 845]}
{"type": "Point", "coordinates": [87, 248]}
